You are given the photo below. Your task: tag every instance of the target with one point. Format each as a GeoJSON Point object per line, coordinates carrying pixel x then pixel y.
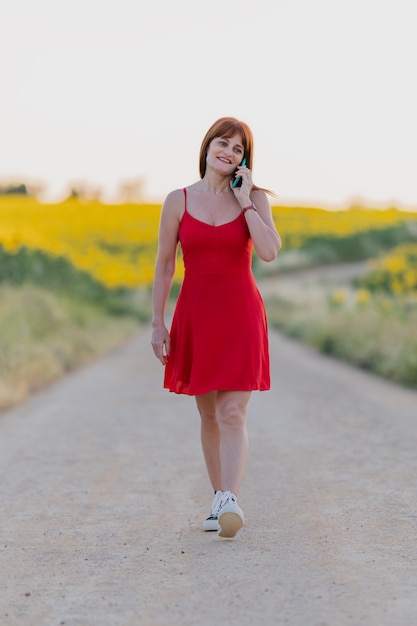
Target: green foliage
{"type": "Point", "coordinates": [14, 190]}
{"type": "Point", "coordinates": [60, 276]}
{"type": "Point", "coordinates": [395, 273]}
{"type": "Point", "coordinates": [358, 246]}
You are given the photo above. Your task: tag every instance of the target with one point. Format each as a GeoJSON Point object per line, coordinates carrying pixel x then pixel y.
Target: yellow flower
{"type": "Point", "coordinates": [338, 297]}
{"type": "Point", "coordinates": [362, 296]}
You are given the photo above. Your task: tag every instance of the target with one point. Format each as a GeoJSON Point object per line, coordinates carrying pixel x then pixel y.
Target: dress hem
{"type": "Point", "coordinates": [199, 393]}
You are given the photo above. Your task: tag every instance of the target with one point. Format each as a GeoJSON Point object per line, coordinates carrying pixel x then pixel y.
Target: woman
{"type": "Point", "coordinates": [217, 349]}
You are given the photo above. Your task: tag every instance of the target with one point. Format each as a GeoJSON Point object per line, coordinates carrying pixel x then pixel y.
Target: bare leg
{"type": "Point", "coordinates": [210, 437]}
{"type": "Point", "coordinates": [231, 410]}
{"type": "Point", "coordinates": [224, 437]}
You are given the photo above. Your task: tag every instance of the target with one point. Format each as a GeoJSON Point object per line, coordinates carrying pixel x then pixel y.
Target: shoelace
{"type": "Point", "coordinates": [216, 503]}
{"type": "Point", "coordinates": [227, 497]}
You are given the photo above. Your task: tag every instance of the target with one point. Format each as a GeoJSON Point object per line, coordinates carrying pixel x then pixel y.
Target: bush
{"type": "Point", "coordinates": [358, 246]}
{"type": "Point", "coordinates": [59, 275]}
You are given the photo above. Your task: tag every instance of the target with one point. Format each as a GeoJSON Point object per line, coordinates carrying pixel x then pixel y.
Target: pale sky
{"type": "Point", "coordinates": [104, 91]}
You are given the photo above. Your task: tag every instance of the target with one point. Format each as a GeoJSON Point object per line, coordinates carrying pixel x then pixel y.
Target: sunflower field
{"type": "Point", "coordinates": [116, 244]}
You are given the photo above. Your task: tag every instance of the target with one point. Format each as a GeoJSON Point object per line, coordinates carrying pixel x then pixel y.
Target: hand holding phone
{"type": "Point", "coordinates": [238, 181]}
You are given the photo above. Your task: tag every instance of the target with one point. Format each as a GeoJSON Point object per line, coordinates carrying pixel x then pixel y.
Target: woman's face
{"type": "Point", "coordinates": [224, 154]}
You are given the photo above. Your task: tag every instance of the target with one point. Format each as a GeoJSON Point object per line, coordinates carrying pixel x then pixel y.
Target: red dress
{"type": "Point", "coordinates": [219, 334]}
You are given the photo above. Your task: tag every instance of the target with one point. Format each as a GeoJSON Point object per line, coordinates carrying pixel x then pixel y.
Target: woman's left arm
{"type": "Point", "coordinates": [265, 238]}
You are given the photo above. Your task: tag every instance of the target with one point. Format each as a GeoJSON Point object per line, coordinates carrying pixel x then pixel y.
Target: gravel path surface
{"type": "Point", "coordinates": [103, 492]}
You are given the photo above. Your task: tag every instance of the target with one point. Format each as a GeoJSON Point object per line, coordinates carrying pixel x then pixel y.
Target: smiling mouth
{"type": "Point", "coordinates": [224, 160]}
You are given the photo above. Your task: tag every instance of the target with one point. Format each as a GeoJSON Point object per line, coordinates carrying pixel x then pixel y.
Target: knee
{"type": "Point", "coordinates": [232, 414]}
{"type": "Point", "coordinates": [208, 418]}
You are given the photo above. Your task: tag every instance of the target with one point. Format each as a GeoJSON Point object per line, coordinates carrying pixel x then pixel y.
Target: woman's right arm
{"type": "Point", "coordinates": [164, 272]}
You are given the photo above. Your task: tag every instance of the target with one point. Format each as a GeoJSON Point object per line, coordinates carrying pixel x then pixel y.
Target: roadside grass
{"type": "Point", "coordinates": [44, 334]}
{"type": "Point", "coordinates": [374, 332]}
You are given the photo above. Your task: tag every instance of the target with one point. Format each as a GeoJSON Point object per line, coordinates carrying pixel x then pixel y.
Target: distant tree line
{"type": "Point", "coordinates": [14, 190]}
{"type": "Point", "coordinates": [129, 190]}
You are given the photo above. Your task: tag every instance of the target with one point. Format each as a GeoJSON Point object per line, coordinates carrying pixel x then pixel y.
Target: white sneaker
{"type": "Point", "coordinates": [230, 515]}
{"type": "Point", "coordinates": [211, 522]}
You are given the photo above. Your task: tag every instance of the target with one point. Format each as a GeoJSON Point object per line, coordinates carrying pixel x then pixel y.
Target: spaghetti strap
{"type": "Point", "coordinates": [185, 198]}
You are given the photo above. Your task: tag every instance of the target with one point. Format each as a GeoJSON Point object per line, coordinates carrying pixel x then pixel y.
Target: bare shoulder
{"type": "Point", "coordinates": [174, 199]}
{"type": "Point", "coordinates": [258, 195]}
{"type": "Point", "coordinates": [260, 200]}
{"type": "Point", "coordinates": [173, 207]}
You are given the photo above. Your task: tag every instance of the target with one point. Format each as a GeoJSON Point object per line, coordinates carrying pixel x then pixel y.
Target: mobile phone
{"type": "Point", "coordinates": [238, 181]}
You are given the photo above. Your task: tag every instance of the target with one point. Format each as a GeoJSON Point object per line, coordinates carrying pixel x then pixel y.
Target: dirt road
{"type": "Point", "coordinates": [103, 492]}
